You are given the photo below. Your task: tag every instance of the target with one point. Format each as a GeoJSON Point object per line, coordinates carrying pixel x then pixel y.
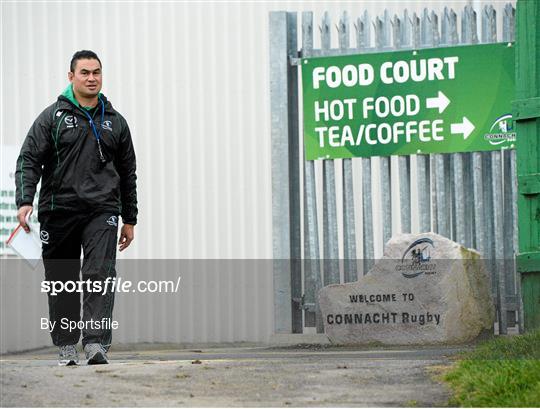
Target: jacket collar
{"type": "Point", "coordinates": [67, 102]}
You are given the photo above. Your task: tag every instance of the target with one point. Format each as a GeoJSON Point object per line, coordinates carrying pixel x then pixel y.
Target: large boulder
{"type": "Point", "coordinates": [426, 289]}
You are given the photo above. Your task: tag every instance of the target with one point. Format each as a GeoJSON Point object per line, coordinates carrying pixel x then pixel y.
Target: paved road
{"type": "Point", "coordinates": [247, 376]}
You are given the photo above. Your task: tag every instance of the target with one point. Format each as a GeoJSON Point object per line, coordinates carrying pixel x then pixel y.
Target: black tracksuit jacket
{"type": "Point", "coordinates": [62, 149]}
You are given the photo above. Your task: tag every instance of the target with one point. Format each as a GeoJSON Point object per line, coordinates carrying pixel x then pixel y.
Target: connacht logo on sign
{"type": "Point", "coordinates": [501, 131]}
{"type": "Point", "coordinates": [441, 100]}
{"type": "Point", "coordinates": [417, 259]}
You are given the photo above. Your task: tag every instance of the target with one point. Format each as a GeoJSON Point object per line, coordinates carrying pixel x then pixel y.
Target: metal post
{"type": "Point", "coordinates": [507, 263]}
{"type": "Point", "coordinates": [445, 190]}
{"type": "Point", "coordinates": [469, 36]}
{"type": "Point", "coordinates": [484, 219]}
{"type": "Point", "coordinates": [511, 194]}
{"type": "Point", "coordinates": [510, 204]}
{"type": "Point", "coordinates": [478, 188]}
{"type": "Point", "coordinates": [401, 31]}
{"type": "Point", "coordinates": [382, 41]}
{"type": "Point", "coordinates": [312, 266]}
{"type": "Point", "coordinates": [285, 169]}
{"type": "Point", "coordinates": [489, 34]}
{"type": "Point", "coordinates": [494, 178]}
{"type": "Point", "coordinates": [349, 237]}
{"type": "Point", "coordinates": [330, 233]}
{"type": "Point", "coordinates": [478, 180]}
{"type": "Point", "coordinates": [490, 244]}
{"type": "Point", "coordinates": [498, 238]}
{"type": "Point", "coordinates": [363, 40]}
{"type": "Point", "coordinates": [459, 198]}
{"type": "Point", "coordinates": [515, 240]}
{"type": "Point", "coordinates": [422, 161]}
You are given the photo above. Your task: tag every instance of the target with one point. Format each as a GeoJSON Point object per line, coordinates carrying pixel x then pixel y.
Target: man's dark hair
{"type": "Point", "coordinates": [83, 55]}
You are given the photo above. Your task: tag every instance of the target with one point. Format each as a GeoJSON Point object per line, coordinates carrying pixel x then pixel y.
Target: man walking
{"type": "Point", "coordinates": [81, 148]}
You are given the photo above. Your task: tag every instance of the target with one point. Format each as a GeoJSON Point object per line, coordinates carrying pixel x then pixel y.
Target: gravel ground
{"type": "Point", "coordinates": [249, 376]}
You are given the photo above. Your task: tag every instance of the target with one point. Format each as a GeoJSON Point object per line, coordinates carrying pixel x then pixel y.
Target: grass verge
{"type": "Point", "coordinates": [504, 372]}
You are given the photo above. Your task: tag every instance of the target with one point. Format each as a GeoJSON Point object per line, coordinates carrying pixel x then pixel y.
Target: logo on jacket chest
{"type": "Point", "coordinates": [70, 121]}
{"type": "Point", "coordinates": [107, 125]}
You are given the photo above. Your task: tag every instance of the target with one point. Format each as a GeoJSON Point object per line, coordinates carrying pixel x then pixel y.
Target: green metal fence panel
{"type": "Point", "coordinates": [526, 111]}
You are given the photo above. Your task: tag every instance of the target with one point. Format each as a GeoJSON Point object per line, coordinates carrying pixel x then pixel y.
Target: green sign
{"type": "Point", "coordinates": [440, 100]}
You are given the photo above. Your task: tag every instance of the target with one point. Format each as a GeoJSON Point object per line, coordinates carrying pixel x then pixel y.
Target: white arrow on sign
{"type": "Point", "coordinates": [465, 128]}
{"type": "Point", "coordinates": [440, 101]}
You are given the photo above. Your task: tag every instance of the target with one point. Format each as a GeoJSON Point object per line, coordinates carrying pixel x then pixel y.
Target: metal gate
{"type": "Point", "coordinates": [468, 197]}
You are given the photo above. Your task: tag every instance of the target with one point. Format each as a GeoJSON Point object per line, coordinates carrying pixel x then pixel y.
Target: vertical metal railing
{"type": "Point", "coordinates": [349, 232]}
{"type": "Point", "coordinates": [489, 35]}
{"type": "Point", "coordinates": [513, 283]}
{"type": "Point", "coordinates": [312, 267]}
{"type": "Point", "coordinates": [422, 161]}
{"type": "Point", "coordinates": [383, 42]}
{"type": "Point", "coordinates": [443, 164]}
{"type": "Point", "coordinates": [468, 197]}
{"type": "Point", "coordinates": [330, 230]}
{"type": "Point", "coordinates": [286, 240]}
{"type": "Point", "coordinates": [363, 42]}
{"type": "Point", "coordinates": [402, 39]}
{"type": "Point", "coordinates": [436, 40]}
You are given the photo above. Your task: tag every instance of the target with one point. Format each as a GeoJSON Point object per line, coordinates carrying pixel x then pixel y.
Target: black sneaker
{"type": "Point", "coordinates": [95, 353]}
{"type": "Point", "coordinates": [68, 355]}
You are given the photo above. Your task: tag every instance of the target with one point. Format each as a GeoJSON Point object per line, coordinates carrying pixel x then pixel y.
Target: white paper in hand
{"type": "Point", "coordinates": [26, 245]}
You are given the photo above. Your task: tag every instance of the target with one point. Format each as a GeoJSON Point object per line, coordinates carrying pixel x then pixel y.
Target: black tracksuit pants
{"type": "Point", "coordinates": [63, 234]}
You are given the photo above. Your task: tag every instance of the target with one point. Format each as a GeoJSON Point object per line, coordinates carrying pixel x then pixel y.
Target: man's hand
{"type": "Point", "coordinates": [126, 236]}
{"type": "Point", "coordinates": [22, 215]}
